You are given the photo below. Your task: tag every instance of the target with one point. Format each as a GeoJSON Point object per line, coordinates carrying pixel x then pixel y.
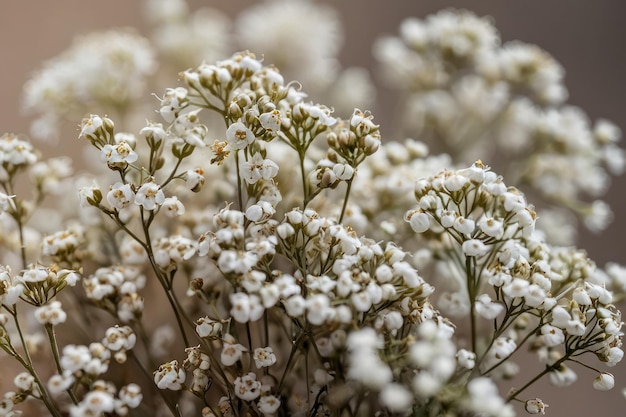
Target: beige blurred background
{"type": "Point", "coordinates": [586, 37]}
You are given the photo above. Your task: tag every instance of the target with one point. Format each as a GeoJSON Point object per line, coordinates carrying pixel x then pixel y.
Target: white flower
{"type": "Point", "coordinates": [149, 196]}
{"type": "Point", "coordinates": [89, 125]}
{"type": "Point", "coordinates": [241, 309]}
{"type": "Point", "coordinates": [475, 247]}
{"type": "Point", "coordinates": [264, 357]}
{"type": "Point", "coordinates": [51, 313]}
{"type": "Point", "coordinates": [463, 225]}
{"type": "Point", "coordinates": [173, 207]}
{"type": "Point", "coordinates": [256, 168]}
{"type": "Point", "coordinates": [120, 195]}
{"type": "Point", "coordinates": [187, 126]}
{"type": "Point", "coordinates": [552, 336]}
{"type": "Point", "coordinates": [268, 404]}
{"type": "Point", "coordinates": [24, 381]}
{"type": "Point", "coordinates": [604, 382]}
{"type": "Point", "coordinates": [118, 338]}
{"type": "Point", "coordinates": [563, 377]}
{"type": "Point", "coordinates": [247, 387]}
{"type": "Point", "coordinates": [98, 402]}
{"type": "Point", "coordinates": [231, 353]}
{"type": "Point", "coordinates": [271, 120]}
{"type": "Point", "coordinates": [131, 395]}
{"type": "Point", "coordinates": [419, 221]}
{"type": "Point", "coordinates": [154, 133]}
{"type": "Point", "coordinates": [59, 383]}
{"type": "Point", "coordinates": [295, 305]}
{"type": "Point", "coordinates": [75, 357]}
{"type": "Point", "coordinates": [6, 202]}
{"type": "Point", "coordinates": [90, 195]}
{"type": "Point", "coordinates": [239, 136]}
{"type": "Point", "coordinates": [396, 398]}
{"type": "Point", "coordinates": [486, 308]}
{"type": "Point", "coordinates": [455, 182]}
{"type": "Point", "coordinates": [466, 358]}
{"type": "Point", "coordinates": [343, 172]}
{"type": "Point", "coordinates": [318, 309]}
{"type": "Point", "coordinates": [119, 153]}
{"type": "Point", "coordinates": [170, 376]}
{"type": "Point", "coordinates": [260, 211]}
{"type": "Point", "coordinates": [535, 406]}
{"type": "Point", "coordinates": [174, 100]}
{"type": "Point", "coordinates": [491, 227]}
{"type": "Point", "coordinates": [194, 179]}
{"type": "Point", "coordinates": [207, 327]}
{"type": "Point", "coordinates": [614, 356]}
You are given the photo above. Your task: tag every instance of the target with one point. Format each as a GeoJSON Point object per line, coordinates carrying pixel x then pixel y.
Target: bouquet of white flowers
{"type": "Point", "coordinates": [247, 251]}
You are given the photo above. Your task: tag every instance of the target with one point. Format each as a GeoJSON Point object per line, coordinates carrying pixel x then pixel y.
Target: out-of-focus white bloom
{"type": "Point", "coordinates": [396, 398]}
{"type": "Point", "coordinates": [131, 395]}
{"type": "Point", "coordinates": [282, 32]}
{"type": "Point", "coordinates": [604, 382]}
{"type": "Point", "coordinates": [183, 38]}
{"type": "Point", "coordinates": [51, 313]}
{"type": "Point", "coordinates": [99, 69]}
{"type": "Point", "coordinates": [268, 404]}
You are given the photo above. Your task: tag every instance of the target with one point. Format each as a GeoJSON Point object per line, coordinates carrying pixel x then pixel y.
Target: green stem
{"type": "Point", "coordinates": [239, 187]}
{"type": "Point", "coordinates": [345, 200]}
{"type": "Point", "coordinates": [172, 407]}
{"type": "Point", "coordinates": [548, 369]}
{"type": "Point", "coordinates": [55, 347]}
{"type": "Point", "coordinates": [55, 353]}
{"type": "Point", "coordinates": [305, 191]}
{"type": "Point", "coordinates": [471, 292]}
{"type": "Point", "coordinates": [28, 365]}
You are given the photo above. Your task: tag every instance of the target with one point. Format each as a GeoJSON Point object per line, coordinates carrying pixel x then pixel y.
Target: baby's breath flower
{"type": "Point", "coordinates": [120, 195]}
{"type": "Point", "coordinates": [604, 382]}
{"type": "Point", "coordinates": [247, 387]}
{"type": "Point", "coordinates": [207, 327]}
{"type": "Point", "coordinates": [131, 395]}
{"type": "Point", "coordinates": [231, 352]}
{"type": "Point", "coordinates": [264, 357]}
{"type": "Point", "coordinates": [149, 196]}
{"type": "Point", "coordinates": [51, 313]}
{"type": "Point", "coordinates": [268, 404]}
{"type": "Point", "coordinates": [170, 376]}
{"type": "Point", "coordinates": [239, 136]}
{"type": "Point", "coordinates": [535, 406]}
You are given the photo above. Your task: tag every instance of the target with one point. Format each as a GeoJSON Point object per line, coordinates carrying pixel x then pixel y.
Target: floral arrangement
{"type": "Point", "coordinates": [247, 251]}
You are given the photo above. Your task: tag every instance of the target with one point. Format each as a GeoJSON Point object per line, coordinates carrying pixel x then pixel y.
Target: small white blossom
{"type": "Point", "coordinates": [396, 398]}
{"type": "Point", "coordinates": [149, 196]}
{"type": "Point", "coordinates": [268, 404]}
{"type": "Point", "coordinates": [239, 136]}
{"type": "Point", "coordinates": [120, 195]}
{"type": "Point", "coordinates": [170, 376]}
{"type": "Point", "coordinates": [604, 382]}
{"type": "Point", "coordinates": [264, 357]}
{"type": "Point", "coordinates": [535, 406]}
{"type": "Point", "coordinates": [247, 387]}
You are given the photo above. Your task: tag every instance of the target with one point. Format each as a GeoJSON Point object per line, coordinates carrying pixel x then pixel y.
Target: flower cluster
{"type": "Point", "coordinates": [481, 233]}
{"type": "Point", "coordinates": [101, 70]}
{"type": "Point", "coordinates": [453, 60]}
{"type": "Point", "coordinates": [255, 252]}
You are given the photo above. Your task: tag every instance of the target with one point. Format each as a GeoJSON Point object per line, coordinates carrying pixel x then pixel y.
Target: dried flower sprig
{"type": "Point", "coordinates": [270, 240]}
